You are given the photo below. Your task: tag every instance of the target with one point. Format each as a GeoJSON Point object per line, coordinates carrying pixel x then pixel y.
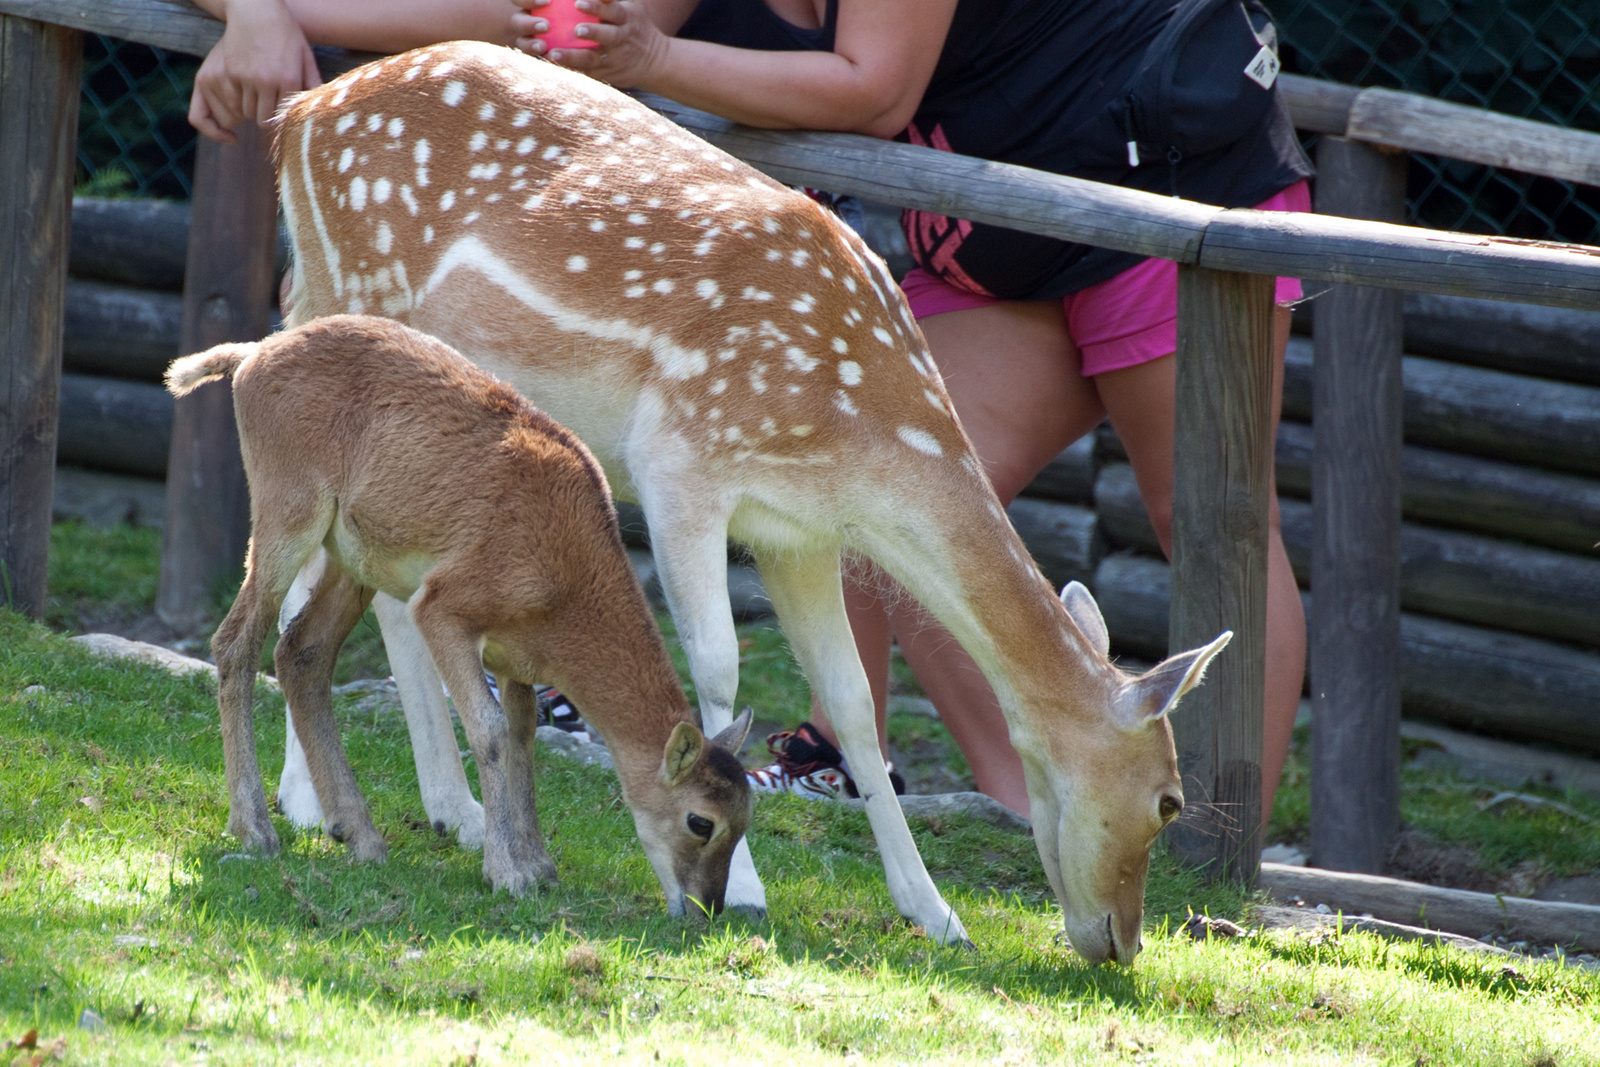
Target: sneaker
{"type": "Point", "coordinates": [556, 710]}
{"type": "Point", "coordinates": [809, 765]}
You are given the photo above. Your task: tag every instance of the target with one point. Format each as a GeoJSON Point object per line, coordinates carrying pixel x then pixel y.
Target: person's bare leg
{"type": "Point", "coordinates": [1141, 401]}
{"type": "Point", "coordinates": [1013, 376]}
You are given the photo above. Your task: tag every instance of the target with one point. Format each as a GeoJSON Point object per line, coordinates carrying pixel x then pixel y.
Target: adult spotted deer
{"type": "Point", "coordinates": [741, 365]}
{"type": "Point", "coordinates": [356, 432]}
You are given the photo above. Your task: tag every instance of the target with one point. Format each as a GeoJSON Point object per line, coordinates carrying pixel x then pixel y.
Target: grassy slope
{"type": "Point", "coordinates": [120, 893]}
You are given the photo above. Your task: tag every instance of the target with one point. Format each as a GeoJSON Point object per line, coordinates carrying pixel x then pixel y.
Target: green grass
{"type": "Point", "coordinates": [120, 893]}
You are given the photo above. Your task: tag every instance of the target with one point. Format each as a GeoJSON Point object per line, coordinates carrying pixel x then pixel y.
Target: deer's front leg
{"type": "Point", "coordinates": [689, 541]}
{"type": "Point", "coordinates": [513, 855]}
{"type": "Point", "coordinates": [808, 596]}
{"type": "Point", "coordinates": [446, 796]}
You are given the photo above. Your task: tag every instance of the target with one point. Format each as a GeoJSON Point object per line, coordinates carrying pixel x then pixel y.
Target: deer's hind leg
{"type": "Point", "coordinates": [305, 658]}
{"type": "Point", "coordinates": [808, 595]}
{"type": "Point", "coordinates": [280, 543]}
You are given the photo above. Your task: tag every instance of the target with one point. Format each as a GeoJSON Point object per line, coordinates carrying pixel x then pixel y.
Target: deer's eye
{"type": "Point", "coordinates": [1170, 806]}
{"type": "Point", "coordinates": [701, 827]}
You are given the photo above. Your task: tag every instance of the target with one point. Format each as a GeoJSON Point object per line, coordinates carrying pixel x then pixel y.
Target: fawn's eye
{"type": "Point", "coordinates": [701, 827]}
{"type": "Point", "coordinates": [1170, 806]}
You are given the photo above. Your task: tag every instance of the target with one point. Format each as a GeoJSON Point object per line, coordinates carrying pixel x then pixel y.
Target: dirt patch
{"type": "Point", "coordinates": [1419, 857]}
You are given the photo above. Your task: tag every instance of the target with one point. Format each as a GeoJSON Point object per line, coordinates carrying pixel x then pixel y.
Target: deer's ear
{"type": "Point", "coordinates": [733, 737]}
{"type": "Point", "coordinates": [1079, 602]}
{"type": "Point", "coordinates": [683, 751]}
{"type": "Point", "coordinates": [1155, 693]}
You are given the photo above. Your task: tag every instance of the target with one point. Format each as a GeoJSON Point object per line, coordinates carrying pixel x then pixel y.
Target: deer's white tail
{"type": "Point", "coordinates": [190, 372]}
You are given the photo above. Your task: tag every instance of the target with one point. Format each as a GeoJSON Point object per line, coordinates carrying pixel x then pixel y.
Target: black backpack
{"type": "Point", "coordinates": [1204, 83]}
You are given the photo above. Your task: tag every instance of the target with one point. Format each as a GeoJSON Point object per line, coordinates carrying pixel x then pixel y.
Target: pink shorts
{"type": "Point", "coordinates": [1129, 319]}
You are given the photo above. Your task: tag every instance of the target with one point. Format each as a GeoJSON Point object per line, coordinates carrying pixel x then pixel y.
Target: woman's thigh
{"type": "Point", "coordinates": [1014, 377]}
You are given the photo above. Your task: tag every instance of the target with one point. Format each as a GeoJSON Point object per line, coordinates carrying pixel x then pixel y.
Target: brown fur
{"type": "Point", "coordinates": [428, 479]}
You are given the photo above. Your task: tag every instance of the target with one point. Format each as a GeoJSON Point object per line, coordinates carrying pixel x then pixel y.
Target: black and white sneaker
{"type": "Point", "coordinates": [556, 710]}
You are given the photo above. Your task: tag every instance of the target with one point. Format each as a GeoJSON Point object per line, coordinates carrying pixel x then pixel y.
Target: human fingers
{"type": "Point", "coordinates": [310, 73]}
{"type": "Point", "coordinates": [201, 118]}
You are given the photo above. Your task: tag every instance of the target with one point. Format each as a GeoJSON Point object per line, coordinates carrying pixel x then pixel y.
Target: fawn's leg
{"type": "Point", "coordinates": [522, 718]}
{"type": "Point", "coordinates": [808, 596]}
{"type": "Point", "coordinates": [510, 859]}
{"type": "Point", "coordinates": [305, 657]}
{"type": "Point", "coordinates": [297, 796]}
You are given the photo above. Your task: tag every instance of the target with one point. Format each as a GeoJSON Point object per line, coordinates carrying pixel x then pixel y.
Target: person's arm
{"type": "Point", "coordinates": [265, 52]}
{"type": "Point", "coordinates": [872, 82]}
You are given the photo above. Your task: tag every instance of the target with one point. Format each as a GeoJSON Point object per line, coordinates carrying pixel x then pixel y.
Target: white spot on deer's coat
{"type": "Point", "coordinates": [663, 286]}
{"type": "Point", "coordinates": [577, 264]}
{"type": "Point", "coordinates": [705, 288]}
{"type": "Point", "coordinates": [346, 121]}
{"type": "Point", "coordinates": [840, 345]}
{"type": "Point", "coordinates": [478, 141]}
{"type": "Point", "coordinates": [799, 257]}
{"type": "Point", "coordinates": [397, 126]}
{"type": "Point", "coordinates": [453, 92]}
{"type": "Point", "coordinates": [752, 293]}
{"type": "Point", "coordinates": [486, 112]}
{"type": "Point", "coordinates": [883, 335]}
{"type": "Point", "coordinates": [802, 430]}
{"type": "Point", "coordinates": [473, 217]}
{"type": "Point", "coordinates": [374, 123]}
{"type": "Point", "coordinates": [633, 292]}
{"type": "Point", "coordinates": [933, 398]}
{"type": "Point", "coordinates": [850, 372]}
{"type": "Point", "coordinates": [422, 151]}
{"type": "Point", "coordinates": [849, 283]}
{"type": "Point", "coordinates": [380, 191]}
{"type": "Point", "coordinates": [800, 359]}
{"type": "Point", "coordinates": [921, 440]}
{"type": "Point", "coordinates": [384, 240]}
{"type": "Point", "coordinates": [634, 243]}
{"type": "Point", "coordinates": [409, 199]}
{"type": "Point", "coordinates": [632, 275]}
{"type": "Point", "coordinates": [484, 171]}
{"type": "Point", "coordinates": [804, 303]}
{"type": "Point", "coordinates": [718, 387]}
{"type": "Point", "coordinates": [448, 200]}
{"type": "Point", "coordinates": [347, 157]}
{"type": "Point", "coordinates": [770, 224]}
{"type": "Point", "coordinates": [427, 235]}
{"type": "Point", "coordinates": [842, 401]}
{"type": "Point", "coordinates": [522, 118]}
{"type": "Point", "coordinates": [636, 219]}
{"type": "Point", "coordinates": [597, 225]}
{"type": "Point", "coordinates": [358, 193]}
{"type": "Point", "coordinates": [658, 248]}
{"type": "Point", "coordinates": [442, 69]}
{"type": "Point", "coordinates": [702, 248]}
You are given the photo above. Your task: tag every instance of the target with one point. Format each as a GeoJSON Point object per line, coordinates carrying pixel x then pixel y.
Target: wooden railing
{"type": "Point", "coordinates": [1227, 260]}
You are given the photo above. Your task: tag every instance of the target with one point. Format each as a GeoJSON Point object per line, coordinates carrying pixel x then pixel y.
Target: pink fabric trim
{"type": "Point", "coordinates": [1123, 321]}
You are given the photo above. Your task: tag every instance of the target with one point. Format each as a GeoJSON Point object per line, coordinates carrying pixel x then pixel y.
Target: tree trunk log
{"type": "Point", "coordinates": [1070, 476]}
{"type": "Point", "coordinates": [142, 243]}
{"type": "Point", "coordinates": [1064, 539]}
{"type": "Point", "coordinates": [119, 331]}
{"type": "Point", "coordinates": [39, 70]}
{"type": "Point", "coordinates": [1560, 511]}
{"type": "Point", "coordinates": [1509, 417]}
{"type": "Point", "coordinates": [113, 425]}
{"type": "Point", "coordinates": [1477, 915]}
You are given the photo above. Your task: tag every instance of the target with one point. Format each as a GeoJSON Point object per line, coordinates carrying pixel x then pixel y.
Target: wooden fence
{"type": "Point", "coordinates": [1227, 260]}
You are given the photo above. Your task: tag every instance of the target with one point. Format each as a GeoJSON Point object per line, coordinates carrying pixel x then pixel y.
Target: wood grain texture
{"type": "Point", "coordinates": [113, 425]}
{"type": "Point", "coordinates": [1466, 493]}
{"type": "Point", "coordinates": [1355, 536]}
{"type": "Point", "coordinates": [227, 297]}
{"type": "Point", "coordinates": [39, 69]}
{"type": "Point", "coordinates": [1456, 910]}
{"type": "Point", "coordinates": [1471, 410]}
{"type": "Point", "coordinates": [1423, 124]}
{"type": "Point", "coordinates": [172, 24]}
{"type": "Point", "coordinates": [144, 243]}
{"type": "Point", "coordinates": [120, 331]}
{"type": "Point", "coordinates": [1064, 539]}
{"type": "Point", "coordinates": [1223, 446]}
{"type": "Point", "coordinates": [1316, 105]}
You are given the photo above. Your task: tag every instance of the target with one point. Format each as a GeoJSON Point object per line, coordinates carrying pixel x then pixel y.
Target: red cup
{"type": "Point", "coordinates": [564, 19]}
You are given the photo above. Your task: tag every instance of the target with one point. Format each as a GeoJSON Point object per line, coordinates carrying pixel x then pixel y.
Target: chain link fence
{"type": "Point", "coordinates": [1538, 59]}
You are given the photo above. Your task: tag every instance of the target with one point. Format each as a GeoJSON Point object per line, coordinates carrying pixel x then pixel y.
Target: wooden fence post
{"type": "Point", "coordinates": [1355, 553]}
{"type": "Point", "coordinates": [1223, 461]}
{"type": "Point", "coordinates": [39, 73]}
{"type": "Point", "coordinates": [227, 296]}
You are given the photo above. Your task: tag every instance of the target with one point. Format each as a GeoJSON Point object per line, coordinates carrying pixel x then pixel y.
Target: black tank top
{"type": "Point", "coordinates": [1031, 82]}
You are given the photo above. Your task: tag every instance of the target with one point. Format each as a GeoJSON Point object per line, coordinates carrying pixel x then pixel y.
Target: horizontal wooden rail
{"type": "Point", "coordinates": [1312, 247]}
{"type": "Point", "coordinates": [1422, 124]}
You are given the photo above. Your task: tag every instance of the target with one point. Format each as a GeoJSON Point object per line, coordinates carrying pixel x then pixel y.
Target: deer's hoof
{"type": "Point", "coordinates": [756, 913]}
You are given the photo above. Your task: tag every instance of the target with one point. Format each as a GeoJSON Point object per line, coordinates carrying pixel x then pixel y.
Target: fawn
{"type": "Point", "coordinates": [742, 365]}
{"type": "Point", "coordinates": [421, 476]}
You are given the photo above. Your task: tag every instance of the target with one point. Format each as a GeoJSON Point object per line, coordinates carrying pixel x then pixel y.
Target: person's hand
{"type": "Point", "coordinates": [631, 46]}
{"type": "Point", "coordinates": [263, 57]}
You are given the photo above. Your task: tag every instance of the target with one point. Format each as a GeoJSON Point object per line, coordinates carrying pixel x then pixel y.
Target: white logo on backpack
{"type": "Point", "coordinates": [1263, 69]}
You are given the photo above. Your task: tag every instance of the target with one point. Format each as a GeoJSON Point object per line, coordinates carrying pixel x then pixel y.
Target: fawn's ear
{"type": "Point", "coordinates": [1155, 693]}
{"type": "Point", "coordinates": [1080, 604]}
{"type": "Point", "coordinates": [733, 737]}
{"type": "Point", "coordinates": [683, 751]}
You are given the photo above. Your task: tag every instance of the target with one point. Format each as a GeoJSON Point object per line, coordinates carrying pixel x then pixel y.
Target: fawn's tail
{"type": "Point", "coordinates": [219, 362]}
